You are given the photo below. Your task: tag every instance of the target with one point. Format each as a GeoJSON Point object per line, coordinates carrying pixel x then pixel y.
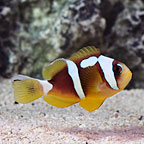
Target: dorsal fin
{"type": "Point", "coordinates": [85, 52]}
{"type": "Point", "coordinates": [56, 66]}
{"type": "Point", "coordinates": [53, 68]}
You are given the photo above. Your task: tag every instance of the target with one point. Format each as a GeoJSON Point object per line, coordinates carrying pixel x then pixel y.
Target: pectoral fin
{"type": "Point", "coordinates": [91, 79]}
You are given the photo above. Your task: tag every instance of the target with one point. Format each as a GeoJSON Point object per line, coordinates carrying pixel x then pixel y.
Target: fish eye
{"type": "Point", "coordinates": [117, 68]}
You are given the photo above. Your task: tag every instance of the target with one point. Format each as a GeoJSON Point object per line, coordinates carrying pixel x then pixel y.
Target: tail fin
{"type": "Point", "coordinates": [26, 89]}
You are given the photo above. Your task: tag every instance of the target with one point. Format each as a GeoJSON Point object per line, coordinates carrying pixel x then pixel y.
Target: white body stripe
{"type": "Point", "coordinates": [91, 61]}
{"type": "Point", "coordinates": [46, 86]}
{"type": "Point", "coordinates": [107, 68]}
{"type": "Point", "coordinates": [74, 74]}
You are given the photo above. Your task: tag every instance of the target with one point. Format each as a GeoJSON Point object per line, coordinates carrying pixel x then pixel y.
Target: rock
{"type": "Point", "coordinates": [126, 39]}
{"type": "Point", "coordinates": [41, 31]}
{"type": "Point", "coordinates": [33, 33]}
{"type": "Point", "coordinates": [81, 24]}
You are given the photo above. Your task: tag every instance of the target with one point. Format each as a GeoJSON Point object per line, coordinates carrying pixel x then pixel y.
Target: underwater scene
{"type": "Point", "coordinates": [71, 72]}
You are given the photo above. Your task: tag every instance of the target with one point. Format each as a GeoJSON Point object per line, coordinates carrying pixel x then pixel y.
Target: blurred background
{"type": "Point", "coordinates": [35, 32]}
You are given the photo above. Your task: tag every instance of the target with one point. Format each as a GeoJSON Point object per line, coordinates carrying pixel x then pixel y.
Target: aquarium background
{"type": "Point", "coordinates": [35, 32]}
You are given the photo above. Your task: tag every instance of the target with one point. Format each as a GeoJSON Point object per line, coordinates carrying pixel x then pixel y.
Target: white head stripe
{"type": "Point", "coordinates": [106, 65]}
{"type": "Point", "coordinates": [73, 72]}
{"type": "Point", "coordinates": [91, 61]}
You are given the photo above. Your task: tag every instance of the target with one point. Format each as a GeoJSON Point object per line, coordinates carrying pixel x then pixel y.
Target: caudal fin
{"type": "Point", "coordinates": [26, 89]}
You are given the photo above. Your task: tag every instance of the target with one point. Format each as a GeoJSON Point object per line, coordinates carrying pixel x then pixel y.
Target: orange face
{"type": "Point", "coordinates": [123, 76]}
{"type": "Point", "coordinates": [99, 88]}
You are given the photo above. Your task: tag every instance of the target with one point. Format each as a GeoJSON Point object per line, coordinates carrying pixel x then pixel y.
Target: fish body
{"type": "Point", "coordinates": [86, 77]}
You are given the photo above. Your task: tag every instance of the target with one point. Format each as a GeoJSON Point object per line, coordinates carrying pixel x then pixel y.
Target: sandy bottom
{"type": "Point", "coordinates": [119, 120]}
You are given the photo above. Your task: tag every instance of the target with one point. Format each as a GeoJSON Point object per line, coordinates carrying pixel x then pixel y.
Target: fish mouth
{"type": "Point", "coordinates": [128, 76]}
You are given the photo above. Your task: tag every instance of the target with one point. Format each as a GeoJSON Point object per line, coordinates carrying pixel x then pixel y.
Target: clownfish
{"type": "Point", "coordinates": [86, 77]}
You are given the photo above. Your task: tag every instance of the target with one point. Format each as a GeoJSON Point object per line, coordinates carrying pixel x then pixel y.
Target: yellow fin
{"type": "Point", "coordinates": [91, 103]}
{"type": "Point", "coordinates": [85, 52]}
{"type": "Point", "coordinates": [53, 68]}
{"type": "Point", "coordinates": [59, 101]}
{"type": "Point", "coordinates": [26, 90]}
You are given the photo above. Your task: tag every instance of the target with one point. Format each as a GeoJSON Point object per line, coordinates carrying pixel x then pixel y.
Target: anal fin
{"type": "Point", "coordinates": [91, 103]}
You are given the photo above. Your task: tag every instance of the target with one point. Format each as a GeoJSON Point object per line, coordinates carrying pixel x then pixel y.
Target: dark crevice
{"type": "Point", "coordinates": [87, 11]}
{"type": "Point", "coordinates": [110, 13]}
{"type": "Point", "coordinates": [4, 61]}
{"type": "Point", "coordinates": [24, 61]}
{"type": "Point", "coordinates": [67, 41]}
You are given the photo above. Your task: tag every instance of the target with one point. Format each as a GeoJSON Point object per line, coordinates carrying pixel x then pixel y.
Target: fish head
{"type": "Point", "coordinates": [116, 76]}
{"type": "Point", "coordinates": [123, 75]}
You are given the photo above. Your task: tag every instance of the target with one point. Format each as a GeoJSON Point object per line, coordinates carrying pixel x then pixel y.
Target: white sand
{"type": "Point", "coordinates": [41, 123]}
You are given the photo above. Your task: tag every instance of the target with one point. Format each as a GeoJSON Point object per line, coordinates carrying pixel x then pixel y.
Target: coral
{"type": "Point", "coordinates": [44, 30]}
{"type": "Point", "coordinates": [33, 33]}
{"type": "Point", "coordinates": [126, 40]}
